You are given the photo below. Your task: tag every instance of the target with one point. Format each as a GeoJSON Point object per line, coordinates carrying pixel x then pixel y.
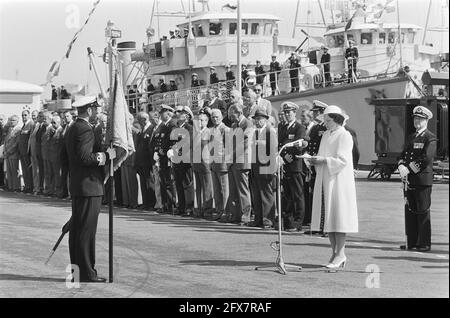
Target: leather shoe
{"type": "Point", "coordinates": [423, 249]}
{"type": "Point", "coordinates": [94, 280]}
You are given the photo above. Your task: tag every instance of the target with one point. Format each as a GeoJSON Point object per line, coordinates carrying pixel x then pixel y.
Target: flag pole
{"type": "Point", "coordinates": [238, 61]}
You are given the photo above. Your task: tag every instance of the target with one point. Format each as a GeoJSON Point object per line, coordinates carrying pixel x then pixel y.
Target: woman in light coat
{"type": "Point", "coordinates": [335, 185]}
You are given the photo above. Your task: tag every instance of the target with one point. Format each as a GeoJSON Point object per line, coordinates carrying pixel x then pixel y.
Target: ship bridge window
{"type": "Point", "coordinates": [232, 29]}
{"type": "Point", "coordinates": [244, 28]}
{"type": "Point", "coordinates": [338, 40]}
{"type": "Point", "coordinates": [381, 38]}
{"type": "Point", "coordinates": [215, 28]}
{"type": "Point", "coordinates": [391, 37]}
{"type": "Point", "coordinates": [268, 29]}
{"type": "Point", "coordinates": [255, 29]}
{"type": "Point", "coordinates": [366, 38]}
{"type": "Point", "coordinates": [198, 30]}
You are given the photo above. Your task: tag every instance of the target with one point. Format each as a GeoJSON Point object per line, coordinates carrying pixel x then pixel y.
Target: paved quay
{"type": "Point", "coordinates": [170, 256]}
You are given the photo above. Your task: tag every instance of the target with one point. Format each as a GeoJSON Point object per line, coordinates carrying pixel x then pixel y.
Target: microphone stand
{"type": "Point", "coordinates": [277, 245]}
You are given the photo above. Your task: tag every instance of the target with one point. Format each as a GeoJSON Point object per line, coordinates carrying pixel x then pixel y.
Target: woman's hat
{"type": "Point", "coordinates": [333, 109]}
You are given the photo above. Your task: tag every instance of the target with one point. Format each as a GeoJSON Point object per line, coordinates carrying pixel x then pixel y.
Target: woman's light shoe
{"type": "Point", "coordinates": [329, 262]}
{"type": "Point", "coordinates": [337, 265]}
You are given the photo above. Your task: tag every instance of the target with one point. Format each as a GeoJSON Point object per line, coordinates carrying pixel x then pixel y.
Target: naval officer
{"type": "Point", "coordinates": [86, 188]}
{"type": "Point", "coordinates": [292, 168]}
{"type": "Point", "coordinates": [416, 170]}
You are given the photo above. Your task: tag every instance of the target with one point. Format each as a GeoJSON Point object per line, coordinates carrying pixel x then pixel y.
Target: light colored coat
{"type": "Point", "coordinates": [337, 179]}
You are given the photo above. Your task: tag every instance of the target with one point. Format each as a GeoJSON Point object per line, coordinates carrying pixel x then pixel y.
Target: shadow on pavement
{"type": "Point", "coordinates": [232, 263]}
{"type": "Point", "coordinates": [412, 258]}
{"type": "Point", "coordinates": [31, 278]}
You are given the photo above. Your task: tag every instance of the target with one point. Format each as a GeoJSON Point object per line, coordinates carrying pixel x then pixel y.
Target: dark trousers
{"type": "Point", "coordinates": [326, 71]}
{"type": "Point", "coordinates": [184, 186]}
{"type": "Point", "coordinates": [41, 173]}
{"type": "Point", "coordinates": [263, 197]}
{"type": "Point", "coordinates": [295, 212]}
{"type": "Point", "coordinates": [308, 194]}
{"type": "Point", "coordinates": [351, 71]}
{"type": "Point", "coordinates": [168, 196]}
{"type": "Point", "coordinates": [417, 217]}
{"type": "Point", "coordinates": [148, 194]}
{"type": "Point", "coordinates": [64, 181]}
{"type": "Point", "coordinates": [25, 161]}
{"type": "Point", "coordinates": [239, 201]}
{"type": "Point", "coordinates": [82, 232]}
{"type": "Point", "coordinates": [2, 174]}
{"type": "Point", "coordinates": [294, 80]}
{"type": "Point", "coordinates": [273, 83]}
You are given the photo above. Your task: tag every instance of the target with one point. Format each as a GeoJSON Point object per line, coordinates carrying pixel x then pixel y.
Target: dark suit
{"type": "Point", "coordinates": [39, 135]}
{"type": "Point", "coordinates": [275, 68]}
{"type": "Point", "coordinates": [86, 188]}
{"type": "Point", "coordinates": [417, 156]}
{"type": "Point", "coordinates": [239, 201]}
{"type": "Point", "coordinates": [259, 71]}
{"type": "Point", "coordinates": [25, 159]}
{"type": "Point", "coordinates": [292, 178]}
{"type": "Point", "coordinates": [263, 174]}
{"type": "Point", "coordinates": [351, 54]}
{"type": "Point", "coordinates": [325, 61]}
{"type": "Point", "coordinates": [162, 143]}
{"type": "Point", "coordinates": [143, 164]}
{"type": "Point", "coordinates": [213, 79]}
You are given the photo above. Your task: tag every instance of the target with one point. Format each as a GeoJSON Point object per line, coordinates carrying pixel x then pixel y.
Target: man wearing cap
{"type": "Point", "coordinates": [263, 170]}
{"type": "Point", "coordinates": [229, 74]}
{"type": "Point", "coordinates": [54, 93]}
{"type": "Point", "coordinates": [181, 156]}
{"type": "Point", "coordinates": [315, 137]}
{"type": "Point", "coordinates": [275, 70]}
{"type": "Point", "coordinates": [162, 144]}
{"type": "Point", "coordinates": [325, 61]}
{"type": "Point", "coordinates": [294, 68]}
{"type": "Point", "coordinates": [259, 71]}
{"type": "Point", "coordinates": [195, 81]}
{"type": "Point", "coordinates": [416, 170]}
{"type": "Point", "coordinates": [162, 86]}
{"type": "Point", "coordinates": [86, 187]}
{"type": "Point", "coordinates": [172, 85]}
{"type": "Point", "coordinates": [292, 168]}
{"type": "Point", "coordinates": [351, 54]}
{"type": "Point", "coordinates": [213, 79]}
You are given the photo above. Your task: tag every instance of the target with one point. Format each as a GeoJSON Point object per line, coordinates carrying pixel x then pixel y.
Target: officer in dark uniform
{"type": "Point", "coordinates": [315, 137]}
{"type": "Point", "coordinates": [181, 155]}
{"type": "Point", "coordinates": [86, 188]}
{"type": "Point", "coordinates": [275, 68]}
{"type": "Point", "coordinates": [172, 85]}
{"type": "Point", "coordinates": [161, 144]}
{"type": "Point", "coordinates": [351, 55]}
{"type": "Point", "coordinates": [260, 73]}
{"type": "Point", "coordinates": [325, 61]}
{"type": "Point", "coordinates": [292, 168]}
{"type": "Point", "coordinates": [213, 79]}
{"type": "Point", "coordinates": [416, 170]}
{"type": "Point", "coordinates": [294, 68]}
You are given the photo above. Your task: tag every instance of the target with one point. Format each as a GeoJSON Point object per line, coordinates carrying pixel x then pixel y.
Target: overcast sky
{"type": "Point", "coordinates": [34, 33]}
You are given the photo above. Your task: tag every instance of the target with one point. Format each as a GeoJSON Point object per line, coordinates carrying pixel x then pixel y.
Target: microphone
{"type": "Point", "coordinates": [297, 143]}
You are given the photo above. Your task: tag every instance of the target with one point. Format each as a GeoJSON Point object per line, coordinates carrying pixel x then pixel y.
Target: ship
{"type": "Point", "coordinates": [208, 39]}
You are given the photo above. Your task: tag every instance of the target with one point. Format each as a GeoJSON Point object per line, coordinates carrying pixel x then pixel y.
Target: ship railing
{"type": "Point", "coordinates": [291, 80]}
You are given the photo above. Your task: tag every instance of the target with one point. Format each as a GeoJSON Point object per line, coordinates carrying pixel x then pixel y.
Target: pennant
{"type": "Point", "coordinates": [119, 128]}
{"type": "Point", "coordinates": [229, 6]}
{"type": "Point", "coordinates": [53, 71]}
{"type": "Point", "coordinates": [358, 13]}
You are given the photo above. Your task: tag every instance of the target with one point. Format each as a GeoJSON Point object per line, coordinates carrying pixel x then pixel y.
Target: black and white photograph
{"type": "Point", "coordinates": [227, 155]}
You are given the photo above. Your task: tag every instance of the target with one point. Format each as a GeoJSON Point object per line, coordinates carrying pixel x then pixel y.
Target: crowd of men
{"type": "Point", "coordinates": [226, 172]}
{"type": "Point", "coordinates": [259, 72]}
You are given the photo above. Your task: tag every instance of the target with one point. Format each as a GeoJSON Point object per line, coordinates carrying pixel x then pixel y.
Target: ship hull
{"type": "Point", "coordinates": [354, 99]}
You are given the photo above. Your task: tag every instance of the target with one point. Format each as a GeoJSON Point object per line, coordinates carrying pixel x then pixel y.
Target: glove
{"type": "Point", "coordinates": [288, 158]}
{"type": "Point", "coordinates": [101, 158]}
{"type": "Point", "coordinates": [403, 171]}
{"type": "Point", "coordinates": [155, 156]}
{"type": "Point", "coordinates": [170, 153]}
{"type": "Point", "coordinates": [111, 152]}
